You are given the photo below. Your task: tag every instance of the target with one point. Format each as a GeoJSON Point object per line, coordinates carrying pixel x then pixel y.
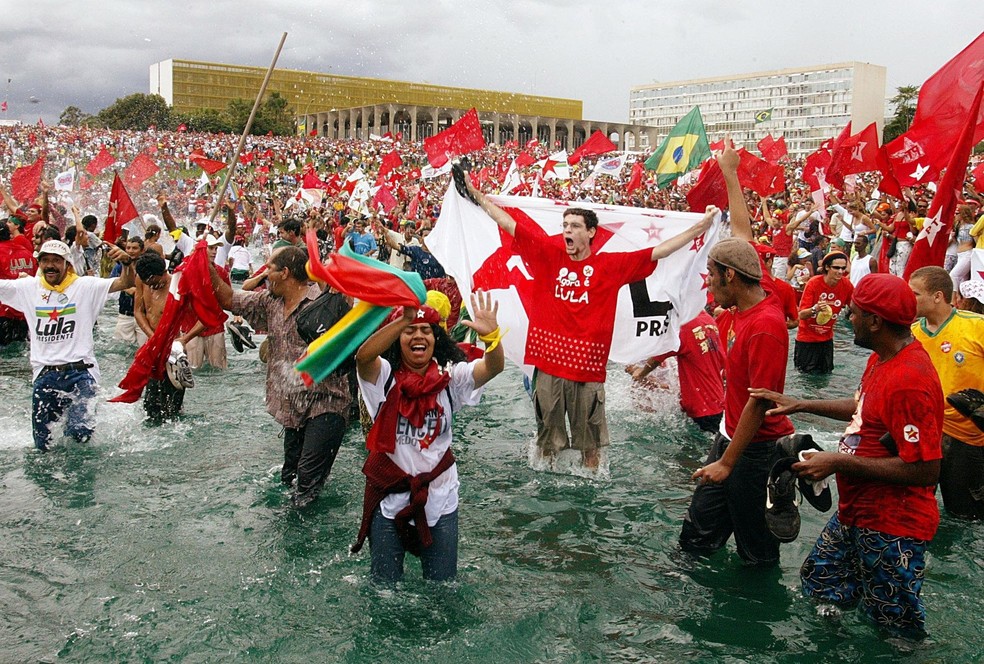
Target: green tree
{"type": "Point", "coordinates": [73, 116]}
{"type": "Point", "coordinates": [137, 111]}
{"type": "Point", "coordinates": [273, 115]}
{"type": "Point", "coordinates": [905, 110]}
{"type": "Point", "coordinates": [206, 120]}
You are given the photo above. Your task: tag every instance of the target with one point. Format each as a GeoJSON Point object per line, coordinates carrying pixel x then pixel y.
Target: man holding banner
{"type": "Point", "coordinates": [574, 292]}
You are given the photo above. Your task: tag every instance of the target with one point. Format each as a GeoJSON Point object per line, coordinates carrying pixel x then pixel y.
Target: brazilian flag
{"type": "Point", "coordinates": [763, 116]}
{"type": "Point", "coordinates": [683, 150]}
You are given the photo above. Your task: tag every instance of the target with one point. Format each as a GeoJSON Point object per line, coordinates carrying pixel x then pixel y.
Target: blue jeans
{"type": "Point", "coordinates": [439, 561]}
{"type": "Point", "coordinates": [54, 393]}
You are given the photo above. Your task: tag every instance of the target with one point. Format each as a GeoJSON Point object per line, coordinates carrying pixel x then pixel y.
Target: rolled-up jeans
{"type": "Point", "coordinates": [55, 392]}
{"type": "Point", "coordinates": [439, 561]}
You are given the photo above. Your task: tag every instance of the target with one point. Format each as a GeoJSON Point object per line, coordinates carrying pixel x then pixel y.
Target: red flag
{"type": "Point", "coordinates": [100, 162]}
{"type": "Point", "coordinates": [978, 175]}
{"type": "Point", "coordinates": [597, 143]}
{"type": "Point", "coordinates": [246, 158]}
{"type": "Point", "coordinates": [121, 210]}
{"type": "Point", "coordinates": [137, 172]}
{"type": "Point", "coordinates": [391, 160]}
{"type": "Point", "coordinates": [815, 169]}
{"type": "Point", "coordinates": [25, 181]}
{"type": "Point", "coordinates": [384, 197]}
{"type": "Point", "coordinates": [889, 184]}
{"type": "Point", "coordinates": [773, 150]}
{"type": "Point", "coordinates": [210, 166]}
{"type": "Point", "coordinates": [182, 127]}
{"type": "Point", "coordinates": [759, 175]}
{"type": "Point", "coordinates": [462, 137]}
{"type": "Point", "coordinates": [3, 107]}
{"type": "Point", "coordinates": [635, 179]}
{"type": "Point", "coordinates": [710, 188]}
{"type": "Point", "coordinates": [930, 245]}
{"type": "Point", "coordinates": [717, 146]}
{"type": "Point", "coordinates": [835, 149]}
{"type": "Point", "coordinates": [947, 96]}
{"type": "Point", "coordinates": [524, 159]}
{"type": "Point", "coordinates": [856, 154]}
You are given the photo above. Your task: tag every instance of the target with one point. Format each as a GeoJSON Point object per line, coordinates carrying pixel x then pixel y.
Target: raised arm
{"type": "Point", "coordinates": [486, 326]}
{"type": "Point", "coordinates": [230, 233]}
{"type": "Point", "coordinates": [664, 249]}
{"type": "Point", "coordinates": [367, 357]}
{"type": "Point", "coordinates": [499, 216]}
{"type": "Point", "coordinates": [741, 222]}
{"type": "Point", "coordinates": [166, 212]}
{"type": "Point", "coordinates": [223, 291]}
{"type": "Point", "coordinates": [127, 276]}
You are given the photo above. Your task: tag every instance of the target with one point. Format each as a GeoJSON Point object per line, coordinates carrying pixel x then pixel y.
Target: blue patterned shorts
{"type": "Point", "coordinates": [851, 566]}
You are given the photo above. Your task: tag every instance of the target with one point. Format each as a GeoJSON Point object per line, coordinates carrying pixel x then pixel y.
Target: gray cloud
{"type": "Point", "coordinates": [88, 54]}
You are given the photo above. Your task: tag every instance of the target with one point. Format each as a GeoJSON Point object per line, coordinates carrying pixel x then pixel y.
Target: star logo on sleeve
{"type": "Point", "coordinates": [911, 433]}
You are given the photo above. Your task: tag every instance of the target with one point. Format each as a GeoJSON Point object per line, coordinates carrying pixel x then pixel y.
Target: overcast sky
{"type": "Point", "coordinates": [87, 54]}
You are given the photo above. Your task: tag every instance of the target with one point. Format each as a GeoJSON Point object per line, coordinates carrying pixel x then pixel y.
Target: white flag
{"type": "Point", "coordinates": [65, 181]}
{"type": "Point", "coordinates": [555, 167]}
{"type": "Point", "coordinates": [428, 172]}
{"type": "Point", "coordinates": [512, 180]}
{"type": "Point", "coordinates": [466, 242]}
{"type": "Point", "coordinates": [610, 166]}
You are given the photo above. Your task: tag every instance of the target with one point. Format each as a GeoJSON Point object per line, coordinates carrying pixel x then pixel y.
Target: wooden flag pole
{"type": "Point", "coordinates": [234, 160]}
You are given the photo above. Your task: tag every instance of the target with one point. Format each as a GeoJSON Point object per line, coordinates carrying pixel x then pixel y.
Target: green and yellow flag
{"type": "Point", "coordinates": [682, 151]}
{"type": "Point", "coordinates": [763, 116]}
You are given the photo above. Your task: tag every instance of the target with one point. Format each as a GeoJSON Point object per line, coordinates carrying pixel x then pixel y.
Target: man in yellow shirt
{"type": "Point", "coordinates": [954, 340]}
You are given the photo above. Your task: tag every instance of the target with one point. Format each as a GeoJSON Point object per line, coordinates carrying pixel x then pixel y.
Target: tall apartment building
{"type": "Point", "coordinates": [808, 104]}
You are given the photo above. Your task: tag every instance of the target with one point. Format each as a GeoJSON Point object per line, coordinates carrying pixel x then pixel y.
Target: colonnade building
{"type": "Point", "coordinates": [807, 105]}
{"type": "Point", "coordinates": [338, 106]}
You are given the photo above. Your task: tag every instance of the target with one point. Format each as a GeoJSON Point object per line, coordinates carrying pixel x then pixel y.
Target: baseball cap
{"type": "Point", "coordinates": [56, 248]}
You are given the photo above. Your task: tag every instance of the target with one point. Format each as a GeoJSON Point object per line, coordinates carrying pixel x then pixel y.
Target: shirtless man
{"type": "Point", "coordinates": [162, 400]}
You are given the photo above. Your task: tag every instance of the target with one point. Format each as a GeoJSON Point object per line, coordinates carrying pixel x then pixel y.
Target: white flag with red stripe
{"type": "Point", "coordinates": [472, 249]}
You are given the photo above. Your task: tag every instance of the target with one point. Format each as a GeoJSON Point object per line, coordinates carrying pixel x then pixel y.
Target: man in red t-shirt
{"type": "Point", "coordinates": [570, 331]}
{"type": "Point", "coordinates": [16, 260]}
{"type": "Point", "coordinates": [731, 492]}
{"type": "Point", "coordinates": [823, 298]}
{"type": "Point", "coordinates": [700, 365]}
{"type": "Point", "coordinates": [872, 551]}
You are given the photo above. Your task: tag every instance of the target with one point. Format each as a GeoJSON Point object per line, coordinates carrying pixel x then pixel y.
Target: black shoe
{"type": "Point", "coordinates": [241, 336]}
{"type": "Point", "coordinates": [791, 446]}
{"type": "Point", "coordinates": [459, 169]}
{"type": "Point", "coordinates": [781, 502]}
{"type": "Point", "coordinates": [970, 404]}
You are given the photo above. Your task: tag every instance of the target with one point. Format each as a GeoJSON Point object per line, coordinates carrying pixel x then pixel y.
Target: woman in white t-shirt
{"type": "Point", "coordinates": [413, 378]}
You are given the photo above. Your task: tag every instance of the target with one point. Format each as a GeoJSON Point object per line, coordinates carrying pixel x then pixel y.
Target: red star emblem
{"type": "Point", "coordinates": [54, 314]}
{"type": "Point", "coordinates": [698, 243]}
{"type": "Point", "coordinates": [703, 281]}
{"type": "Point", "coordinates": [653, 232]}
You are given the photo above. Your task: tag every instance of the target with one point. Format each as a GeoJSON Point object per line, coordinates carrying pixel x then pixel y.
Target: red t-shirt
{"type": "Point", "coordinates": [700, 364]}
{"type": "Point", "coordinates": [758, 348]}
{"type": "Point", "coordinates": [903, 397]}
{"type": "Point", "coordinates": [570, 330]}
{"type": "Point", "coordinates": [817, 291]}
{"type": "Point", "coordinates": [782, 241]}
{"type": "Point", "coordinates": [16, 258]}
{"type": "Point", "coordinates": [788, 298]}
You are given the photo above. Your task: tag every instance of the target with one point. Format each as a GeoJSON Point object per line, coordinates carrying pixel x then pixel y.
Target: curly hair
{"type": "Point", "coordinates": [446, 351]}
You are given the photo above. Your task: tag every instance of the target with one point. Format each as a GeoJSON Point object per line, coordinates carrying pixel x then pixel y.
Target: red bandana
{"type": "Point", "coordinates": [412, 396]}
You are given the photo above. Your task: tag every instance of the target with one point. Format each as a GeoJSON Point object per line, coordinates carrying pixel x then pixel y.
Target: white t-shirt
{"type": "Point", "coordinates": [222, 255]}
{"type": "Point", "coordinates": [60, 323]}
{"type": "Point", "coordinates": [241, 258]}
{"type": "Point", "coordinates": [442, 494]}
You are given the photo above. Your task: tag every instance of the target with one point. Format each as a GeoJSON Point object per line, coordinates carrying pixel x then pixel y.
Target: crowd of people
{"type": "Point", "coordinates": [787, 264]}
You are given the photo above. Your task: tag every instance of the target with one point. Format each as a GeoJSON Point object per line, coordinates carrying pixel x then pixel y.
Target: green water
{"type": "Point", "coordinates": [176, 543]}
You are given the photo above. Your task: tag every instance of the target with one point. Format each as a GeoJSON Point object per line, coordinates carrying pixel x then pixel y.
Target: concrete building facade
{"type": "Point", "coordinates": [354, 107]}
{"type": "Point", "coordinates": [808, 104]}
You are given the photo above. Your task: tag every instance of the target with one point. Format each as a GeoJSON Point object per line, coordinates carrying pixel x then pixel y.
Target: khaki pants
{"type": "Point", "coordinates": [211, 348]}
{"type": "Point", "coordinates": [557, 401]}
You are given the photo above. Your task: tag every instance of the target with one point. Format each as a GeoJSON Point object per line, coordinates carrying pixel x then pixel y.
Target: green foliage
{"type": "Point", "coordinates": [273, 115]}
{"type": "Point", "coordinates": [137, 111]}
{"type": "Point", "coordinates": [206, 120]}
{"type": "Point", "coordinates": [905, 111]}
{"type": "Point", "coordinates": [73, 116]}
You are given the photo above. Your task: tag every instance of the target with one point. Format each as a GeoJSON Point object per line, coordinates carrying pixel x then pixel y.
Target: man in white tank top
{"type": "Point", "coordinates": [864, 263]}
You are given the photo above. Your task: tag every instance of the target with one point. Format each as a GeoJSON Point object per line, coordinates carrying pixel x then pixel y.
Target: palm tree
{"type": "Point", "coordinates": [905, 110]}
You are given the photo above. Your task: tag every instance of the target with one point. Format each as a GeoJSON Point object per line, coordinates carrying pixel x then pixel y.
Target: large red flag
{"type": "Point", "coordinates": [384, 197]}
{"type": "Point", "coordinates": [25, 181]}
{"type": "Point", "coordinates": [597, 143]}
{"type": "Point", "coordinates": [918, 156]}
{"type": "Point", "coordinates": [835, 150]}
{"type": "Point", "coordinates": [391, 160]}
{"type": "Point", "coordinates": [710, 188]}
{"type": "Point", "coordinates": [635, 179]}
{"type": "Point", "coordinates": [772, 149]}
{"type": "Point", "coordinates": [815, 169]}
{"type": "Point", "coordinates": [121, 210]}
{"type": "Point", "coordinates": [139, 171]}
{"type": "Point", "coordinates": [889, 184]}
{"type": "Point", "coordinates": [856, 154]}
{"type": "Point", "coordinates": [100, 162]}
{"type": "Point", "coordinates": [930, 245]}
{"type": "Point", "coordinates": [978, 174]}
{"type": "Point", "coordinates": [947, 96]}
{"type": "Point", "coordinates": [759, 175]}
{"type": "Point", "coordinates": [462, 137]}
{"type": "Point", "coordinates": [210, 166]}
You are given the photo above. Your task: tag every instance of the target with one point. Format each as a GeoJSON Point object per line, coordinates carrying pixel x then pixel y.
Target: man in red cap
{"type": "Point", "coordinates": [872, 551]}
{"type": "Point", "coordinates": [823, 298]}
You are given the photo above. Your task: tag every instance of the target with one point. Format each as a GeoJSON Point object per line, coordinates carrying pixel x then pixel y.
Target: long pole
{"type": "Point", "coordinates": [234, 160]}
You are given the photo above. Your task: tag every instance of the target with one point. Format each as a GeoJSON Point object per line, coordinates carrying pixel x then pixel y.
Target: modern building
{"type": "Point", "coordinates": [807, 105]}
{"type": "Point", "coordinates": [353, 107]}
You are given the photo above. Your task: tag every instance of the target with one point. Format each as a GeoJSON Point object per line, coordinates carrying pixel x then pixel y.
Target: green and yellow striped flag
{"type": "Point", "coordinates": [684, 149]}
{"type": "Point", "coordinates": [763, 116]}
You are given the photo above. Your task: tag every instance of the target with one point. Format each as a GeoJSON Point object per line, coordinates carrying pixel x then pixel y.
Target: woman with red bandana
{"type": "Point", "coordinates": [413, 378]}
